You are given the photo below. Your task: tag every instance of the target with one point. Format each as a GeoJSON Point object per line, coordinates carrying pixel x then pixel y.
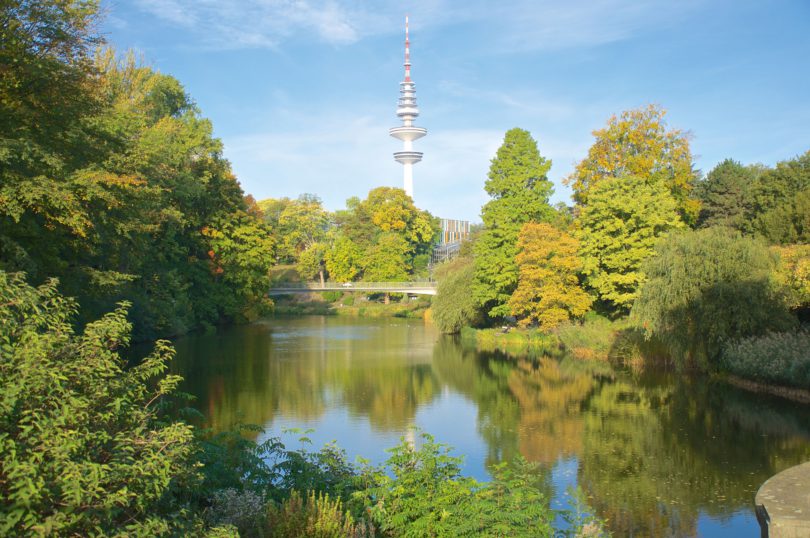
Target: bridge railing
{"type": "Point", "coordinates": [350, 285]}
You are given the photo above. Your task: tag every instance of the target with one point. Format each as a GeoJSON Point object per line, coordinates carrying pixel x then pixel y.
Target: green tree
{"type": "Point", "coordinates": [637, 143]}
{"type": "Point", "coordinates": [618, 230]}
{"type": "Point", "coordinates": [706, 287]}
{"type": "Point", "coordinates": [725, 196]}
{"type": "Point", "coordinates": [781, 202]}
{"type": "Point", "coordinates": [387, 260]}
{"type": "Point", "coordinates": [302, 223]}
{"type": "Point", "coordinates": [311, 262]}
{"type": "Point", "coordinates": [520, 190]}
{"type": "Point", "coordinates": [548, 291]}
{"type": "Point", "coordinates": [343, 260]}
{"type": "Point", "coordinates": [83, 446]}
{"type": "Point", "coordinates": [241, 254]}
{"type": "Point", "coordinates": [454, 307]}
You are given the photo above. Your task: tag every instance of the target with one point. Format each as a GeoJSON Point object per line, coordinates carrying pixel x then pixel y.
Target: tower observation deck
{"type": "Point", "coordinates": [408, 111]}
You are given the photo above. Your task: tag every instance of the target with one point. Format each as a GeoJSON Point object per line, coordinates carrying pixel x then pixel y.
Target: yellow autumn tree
{"type": "Point", "coordinates": [548, 291]}
{"type": "Point", "coordinates": [638, 143]}
{"type": "Point", "coordinates": [793, 274]}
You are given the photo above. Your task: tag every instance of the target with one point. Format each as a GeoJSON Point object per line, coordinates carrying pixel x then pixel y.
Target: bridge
{"type": "Point", "coordinates": [415, 288]}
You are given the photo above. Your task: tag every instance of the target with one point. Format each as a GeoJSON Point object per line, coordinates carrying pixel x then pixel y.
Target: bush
{"type": "Point", "coordinates": [780, 358]}
{"type": "Point", "coordinates": [421, 492]}
{"type": "Point", "coordinates": [591, 339]}
{"type": "Point", "coordinates": [316, 516]}
{"type": "Point", "coordinates": [84, 448]}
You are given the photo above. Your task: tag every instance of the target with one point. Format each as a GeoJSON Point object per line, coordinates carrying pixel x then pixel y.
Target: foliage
{"type": "Point", "coordinates": [109, 178]}
{"type": "Point", "coordinates": [591, 339]}
{"type": "Point", "coordinates": [725, 196]}
{"type": "Point", "coordinates": [781, 202]}
{"type": "Point", "coordinates": [706, 287]}
{"type": "Point", "coordinates": [387, 260]}
{"type": "Point", "coordinates": [241, 255]}
{"type": "Point", "coordinates": [793, 274]}
{"type": "Point", "coordinates": [343, 260]}
{"type": "Point", "coordinates": [421, 492]}
{"type": "Point", "coordinates": [638, 144]}
{"type": "Point", "coordinates": [548, 291]}
{"type": "Point", "coordinates": [302, 223]}
{"type": "Point", "coordinates": [311, 262]}
{"type": "Point", "coordinates": [83, 446]}
{"type": "Point", "coordinates": [454, 307]}
{"type": "Point", "coordinates": [780, 358]}
{"type": "Point", "coordinates": [520, 189]}
{"type": "Point", "coordinates": [618, 230]}
{"type": "Point", "coordinates": [244, 510]}
{"type": "Point", "coordinates": [316, 516]}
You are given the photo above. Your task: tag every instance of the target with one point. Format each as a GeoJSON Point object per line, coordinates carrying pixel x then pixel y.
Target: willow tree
{"type": "Point", "coordinates": [638, 143]}
{"type": "Point", "coordinates": [520, 189]}
{"type": "Point", "coordinates": [708, 287]}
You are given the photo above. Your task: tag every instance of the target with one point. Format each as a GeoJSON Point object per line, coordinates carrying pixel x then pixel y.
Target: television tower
{"type": "Point", "coordinates": [407, 112]}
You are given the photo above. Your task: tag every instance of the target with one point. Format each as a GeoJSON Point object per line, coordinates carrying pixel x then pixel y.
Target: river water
{"type": "Point", "coordinates": [655, 455]}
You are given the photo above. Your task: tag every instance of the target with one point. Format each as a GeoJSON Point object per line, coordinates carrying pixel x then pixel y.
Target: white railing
{"type": "Point", "coordinates": [351, 285]}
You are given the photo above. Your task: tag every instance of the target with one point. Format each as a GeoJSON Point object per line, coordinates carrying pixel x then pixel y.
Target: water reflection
{"type": "Point", "coordinates": [657, 456]}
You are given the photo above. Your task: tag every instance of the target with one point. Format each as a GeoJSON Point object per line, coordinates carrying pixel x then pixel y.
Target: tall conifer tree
{"type": "Point", "coordinates": [520, 191]}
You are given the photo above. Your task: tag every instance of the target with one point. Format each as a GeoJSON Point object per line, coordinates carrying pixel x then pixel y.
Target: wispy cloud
{"type": "Point", "coordinates": [516, 25]}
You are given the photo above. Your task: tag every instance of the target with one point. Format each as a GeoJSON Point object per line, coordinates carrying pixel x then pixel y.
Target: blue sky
{"type": "Point", "coordinates": [302, 92]}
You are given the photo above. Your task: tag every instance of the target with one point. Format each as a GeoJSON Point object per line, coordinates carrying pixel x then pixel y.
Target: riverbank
{"type": "Point", "coordinates": [350, 304]}
{"type": "Point", "coordinates": [609, 341]}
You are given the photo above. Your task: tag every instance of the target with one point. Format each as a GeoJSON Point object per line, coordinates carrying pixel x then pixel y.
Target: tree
{"type": "Point", "coordinates": [705, 288]}
{"type": "Point", "coordinates": [548, 291]}
{"type": "Point", "coordinates": [84, 448]}
{"type": "Point", "coordinates": [638, 143]}
{"type": "Point", "coordinates": [241, 254]}
{"type": "Point", "coordinates": [302, 223]}
{"type": "Point", "coordinates": [781, 202]}
{"type": "Point", "coordinates": [454, 307]}
{"type": "Point", "coordinates": [343, 260]}
{"type": "Point", "coordinates": [113, 198]}
{"type": "Point", "coordinates": [387, 260]}
{"type": "Point", "coordinates": [311, 262]}
{"type": "Point", "coordinates": [725, 196]}
{"type": "Point", "coordinates": [520, 190]}
{"type": "Point", "coordinates": [618, 230]}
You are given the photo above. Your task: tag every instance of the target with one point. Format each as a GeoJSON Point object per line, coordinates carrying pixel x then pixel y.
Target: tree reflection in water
{"type": "Point", "coordinates": [654, 454]}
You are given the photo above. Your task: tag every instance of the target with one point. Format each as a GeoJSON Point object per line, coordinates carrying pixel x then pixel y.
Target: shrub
{"type": "Point", "coordinates": [242, 509]}
{"type": "Point", "coordinates": [780, 358]}
{"type": "Point", "coordinates": [316, 516]}
{"type": "Point", "coordinates": [84, 449]}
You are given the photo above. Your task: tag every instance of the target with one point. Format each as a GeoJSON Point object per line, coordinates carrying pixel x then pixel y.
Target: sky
{"type": "Point", "coordinates": [303, 92]}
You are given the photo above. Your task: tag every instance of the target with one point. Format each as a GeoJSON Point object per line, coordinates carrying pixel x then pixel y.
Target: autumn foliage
{"type": "Point", "coordinates": [548, 291]}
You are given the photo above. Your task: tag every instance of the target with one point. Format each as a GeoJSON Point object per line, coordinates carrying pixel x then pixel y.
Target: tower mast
{"type": "Point", "coordinates": [407, 110]}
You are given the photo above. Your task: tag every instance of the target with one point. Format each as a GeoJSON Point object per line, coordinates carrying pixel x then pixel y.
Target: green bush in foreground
{"type": "Point", "coordinates": [83, 449]}
{"type": "Point", "coordinates": [780, 358]}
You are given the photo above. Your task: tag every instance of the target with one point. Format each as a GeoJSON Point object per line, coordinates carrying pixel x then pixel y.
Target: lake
{"type": "Point", "coordinates": [656, 455]}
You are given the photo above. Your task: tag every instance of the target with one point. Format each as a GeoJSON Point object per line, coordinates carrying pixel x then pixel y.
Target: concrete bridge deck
{"type": "Point", "coordinates": [415, 288]}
